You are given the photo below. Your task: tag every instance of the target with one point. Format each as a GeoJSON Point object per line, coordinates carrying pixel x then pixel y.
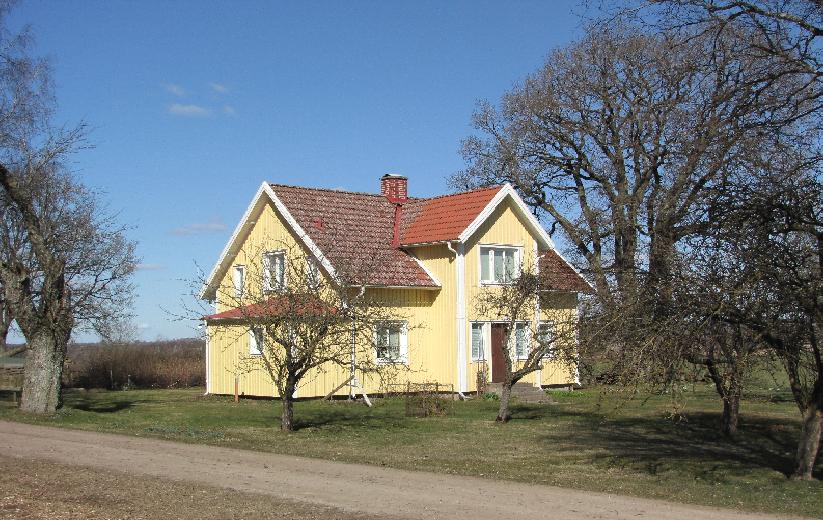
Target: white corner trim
{"type": "Point", "coordinates": [460, 275]}
{"type": "Point", "coordinates": [208, 356]}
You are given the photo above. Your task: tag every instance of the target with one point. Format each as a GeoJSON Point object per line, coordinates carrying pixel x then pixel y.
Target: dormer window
{"type": "Point", "coordinates": [274, 270]}
{"type": "Point", "coordinates": [499, 264]}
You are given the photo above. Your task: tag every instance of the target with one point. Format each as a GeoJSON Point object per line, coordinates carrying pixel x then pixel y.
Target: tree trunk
{"type": "Point", "coordinates": [287, 417]}
{"type": "Point", "coordinates": [42, 385]}
{"type": "Point", "coordinates": [731, 413]}
{"type": "Point", "coordinates": [503, 414]}
{"type": "Point", "coordinates": [809, 441]}
{"type": "Point", "coordinates": [730, 395]}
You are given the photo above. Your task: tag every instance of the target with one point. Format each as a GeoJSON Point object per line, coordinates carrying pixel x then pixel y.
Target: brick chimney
{"type": "Point", "coordinates": [394, 187]}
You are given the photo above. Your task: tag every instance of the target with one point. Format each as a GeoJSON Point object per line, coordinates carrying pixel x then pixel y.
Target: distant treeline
{"type": "Point", "coordinates": [146, 364]}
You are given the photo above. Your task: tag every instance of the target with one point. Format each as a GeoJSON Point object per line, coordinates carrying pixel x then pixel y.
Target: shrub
{"type": "Point", "coordinates": [159, 364]}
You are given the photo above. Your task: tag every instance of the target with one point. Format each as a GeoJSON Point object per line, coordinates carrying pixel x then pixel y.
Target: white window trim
{"type": "Point", "coordinates": [239, 292]}
{"type": "Point", "coordinates": [254, 343]}
{"type": "Point", "coordinates": [267, 281]}
{"type": "Point", "coordinates": [403, 357]}
{"type": "Point", "coordinates": [518, 262]}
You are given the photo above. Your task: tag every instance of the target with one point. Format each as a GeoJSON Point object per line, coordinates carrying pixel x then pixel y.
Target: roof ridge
{"type": "Point", "coordinates": [350, 192]}
{"type": "Point", "coordinates": [495, 187]}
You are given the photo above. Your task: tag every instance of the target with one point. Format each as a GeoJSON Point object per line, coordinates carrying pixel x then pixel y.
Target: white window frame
{"type": "Point", "coordinates": [268, 284]}
{"type": "Point", "coordinates": [255, 339]}
{"type": "Point", "coordinates": [403, 355]}
{"type": "Point", "coordinates": [518, 257]}
{"type": "Point", "coordinates": [485, 327]}
{"type": "Point", "coordinates": [239, 288]}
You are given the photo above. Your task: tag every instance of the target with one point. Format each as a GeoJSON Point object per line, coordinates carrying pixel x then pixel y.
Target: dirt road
{"type": "Point", "coordinates": [350, 487]}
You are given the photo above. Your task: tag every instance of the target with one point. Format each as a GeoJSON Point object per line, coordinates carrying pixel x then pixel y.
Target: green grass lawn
{"type": "Point", "coordinates": [588, 440]}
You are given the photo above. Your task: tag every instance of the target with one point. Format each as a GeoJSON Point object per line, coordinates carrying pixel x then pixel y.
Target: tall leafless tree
{"type": "Point", "coordinates": [64, 260]}
{"type": "Point", "coordinates": [617, 137]}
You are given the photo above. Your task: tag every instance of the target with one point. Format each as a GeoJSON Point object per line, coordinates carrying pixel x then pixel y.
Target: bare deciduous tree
{"type": "Point", "coordinates": [537, 341]}
{"type": "Point", "coordinates": [64, 260]}
{"type": "Point", "coordinates": [618, 137]}
{"type": "Point", "coordinates": [301, 322]}
{"type": "Point", "coordinates": [774, 220]}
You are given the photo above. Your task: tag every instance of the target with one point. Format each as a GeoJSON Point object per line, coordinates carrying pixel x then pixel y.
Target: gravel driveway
{"type": "Point", "coordinates": [350, 487]}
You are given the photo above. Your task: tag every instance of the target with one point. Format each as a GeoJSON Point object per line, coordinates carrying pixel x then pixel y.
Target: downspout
{"type": "Point", "coordinates": [460, 318]}
{"type": "Point", "coordinates": [451, 248]}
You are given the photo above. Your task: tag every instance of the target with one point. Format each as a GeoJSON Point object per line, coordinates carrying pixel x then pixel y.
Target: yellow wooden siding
{"type": "Point", "coordinates": [431, 314]}
{"type": "Point", "coordinates": [505, 228]}
{"type": "Point", "coordinates": [269, 232]}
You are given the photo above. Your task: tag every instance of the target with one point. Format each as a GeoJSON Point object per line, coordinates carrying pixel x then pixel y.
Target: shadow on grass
{"type": "Point", "coordinates": [88, 405]}
{"type": "Point", "coordinates": [693, 445]}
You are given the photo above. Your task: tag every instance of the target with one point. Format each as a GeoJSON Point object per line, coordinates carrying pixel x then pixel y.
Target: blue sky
{"type": "Point", "coordinates": [194, 104]}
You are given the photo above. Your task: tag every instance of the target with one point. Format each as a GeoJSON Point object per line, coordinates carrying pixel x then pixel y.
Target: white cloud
{"type": "Point", "coordinates": [229, 110]}
{"type": "Point", "coordinates": [199, 229]}
{"type": "Point", "coordinates": [148, 267]}
{"type": "Point", "coordinates": [189, 110]}
{"type": "Point", "coordinates": [219, 88]}
{"type": "Point", "coordinates": [177, 90]}
{"type": "Point", "coordinates": [144, 326]}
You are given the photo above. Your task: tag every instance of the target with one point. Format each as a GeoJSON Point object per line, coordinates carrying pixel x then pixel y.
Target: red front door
{"type": "Point", "coordinates": [498, 362]}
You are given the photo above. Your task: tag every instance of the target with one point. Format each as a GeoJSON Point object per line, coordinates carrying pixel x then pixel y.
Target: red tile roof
{"type": "Point", "coordinates": [443, 218]}
{"type": "Point", "coordinates": [355, 232]}
{"type": "Point", "coordinates": [303, 305]}
{"type": "Point", "coordinates": [557, 275]}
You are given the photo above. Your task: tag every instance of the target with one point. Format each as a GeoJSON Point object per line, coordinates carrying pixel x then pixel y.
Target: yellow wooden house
{"type": "Point", "coordinates": [436, 255]}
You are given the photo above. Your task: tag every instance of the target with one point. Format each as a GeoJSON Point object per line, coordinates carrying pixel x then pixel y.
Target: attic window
{"type": "Point", "coordinates": [499, 264]}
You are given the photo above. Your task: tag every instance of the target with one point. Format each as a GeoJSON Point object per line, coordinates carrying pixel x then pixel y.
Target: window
{"type": "Point", "coordinates": [478, 347]}
{"type": "Point", "coordinates": [239, 280]}
{"type": "Point", "coordinates": [390, 342]}
{"type": "Point", "coordinates": [521, 340]}
{"type": "Point", "coordinates": [255, 342]}
{"type": "Point", "coordinates": [546, 338]}
{"type": "Point", "coordinates": [499, 264]}
{"type": "Point", "coordinates": [274, 270]}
